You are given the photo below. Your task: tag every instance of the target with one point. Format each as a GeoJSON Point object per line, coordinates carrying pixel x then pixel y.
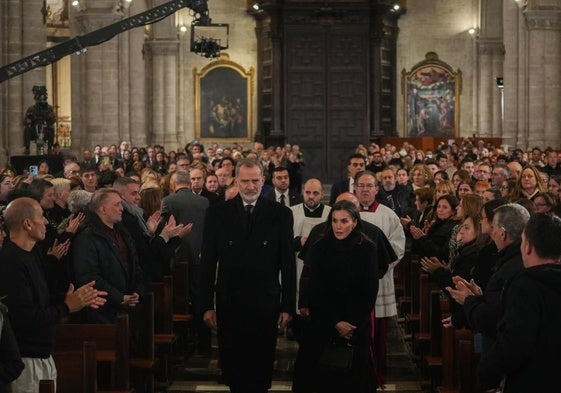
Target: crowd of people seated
{"type": "Point", "coordinates": [119, 217]}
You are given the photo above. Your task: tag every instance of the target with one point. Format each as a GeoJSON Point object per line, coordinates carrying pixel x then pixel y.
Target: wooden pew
{"type": "Point", "coordinates": [412, 317]}
{"type": "Point", "coordinates": [47, 386]}
{"type": "Point", "coordinates": [182, 315]}
{"type": "Point", "coordinates": [77, 370]}
{"type": "Point", "coordinates": [164, 337]}
{"type": "Point", "coordinates": [142, 357]}
{"type": "Point", "coordinates": [181, 306]}
{"type": "Point", "coordinates": [112, 346]}
{"type": "Point", "coordinates": [448, 383]}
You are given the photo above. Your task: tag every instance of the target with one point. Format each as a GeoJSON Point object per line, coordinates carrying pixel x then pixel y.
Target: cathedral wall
{"type": "Point", "coordinates": [242, 50]}
{"type": "Point", "coordinates": [440, 26]}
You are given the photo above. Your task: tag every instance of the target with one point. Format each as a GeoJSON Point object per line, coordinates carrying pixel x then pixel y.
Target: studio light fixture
{"type": "Point", "coordinates": [209, 39]}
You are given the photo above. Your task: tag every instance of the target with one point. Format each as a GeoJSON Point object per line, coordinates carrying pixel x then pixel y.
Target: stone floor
{"type": "Point", "coordinates": [200, 373]}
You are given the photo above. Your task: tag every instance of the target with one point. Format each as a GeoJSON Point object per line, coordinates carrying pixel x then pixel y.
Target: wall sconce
{"type": "Point", "coordinates": [472, 31]}
{"type": "Point", "coordinates": [255, 6]}
{"type": "Point", "coordinates": [182, 29]}
{"type": "Point", "coordinates": [122, 5]}
{"type": "Point", "coordinates": [79, 5]}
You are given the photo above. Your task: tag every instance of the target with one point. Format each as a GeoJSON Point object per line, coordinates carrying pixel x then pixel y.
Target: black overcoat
{"type": "Point", "coordinates": [241, 260]}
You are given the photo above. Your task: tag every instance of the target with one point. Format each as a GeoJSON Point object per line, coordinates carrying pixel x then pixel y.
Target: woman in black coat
{"type": "Point", "coordinates": [343, 288]}
{"type": "Point", "coordinates": [435, 242]}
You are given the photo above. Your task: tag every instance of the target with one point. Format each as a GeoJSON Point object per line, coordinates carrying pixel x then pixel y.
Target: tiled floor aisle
{"type": "Point", "coordinates": [200, 374]}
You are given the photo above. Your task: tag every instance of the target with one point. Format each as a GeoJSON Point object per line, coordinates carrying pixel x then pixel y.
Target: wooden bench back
{"type": "Point", "coordinates": [77, 370]}
{"type": "Point", "coordinates": [112, 345]}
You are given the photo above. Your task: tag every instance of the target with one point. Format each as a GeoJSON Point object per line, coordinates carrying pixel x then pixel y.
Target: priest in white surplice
{"type": "Point", "coordinates": [306, 216]}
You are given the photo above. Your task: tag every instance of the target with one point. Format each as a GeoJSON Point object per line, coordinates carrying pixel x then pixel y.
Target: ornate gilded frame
{"type": "Point", "coordinates": [431, 93]}
{"type": "Point", "coordinates": [224, 101]}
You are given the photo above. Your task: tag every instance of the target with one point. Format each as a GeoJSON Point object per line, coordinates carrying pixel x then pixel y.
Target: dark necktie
{"type": "Point", "coordinates": [282, 200]}
{"type": "Point", "coordinates": [248, 211]}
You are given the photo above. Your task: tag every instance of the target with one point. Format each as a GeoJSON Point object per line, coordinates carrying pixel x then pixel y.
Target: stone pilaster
{"type": "Point", "coordinates": [490, 55]}
{"type": "Point", "coordinates": [3, 86]}
{"type": "Point", "coordinates": [165, 76]}
{"type": "Point", "coordinates": [95, 80]}
{"type": "Point", "coordinates": [544, 78]}
{"type": "Point", "coordinates": [25, 35]}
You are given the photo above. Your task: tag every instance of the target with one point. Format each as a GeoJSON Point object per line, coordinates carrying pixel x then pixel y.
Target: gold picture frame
{"type": "Point", "coordinates": [224, 101]}
{"type": "Point", "coordinates": [431, 93]}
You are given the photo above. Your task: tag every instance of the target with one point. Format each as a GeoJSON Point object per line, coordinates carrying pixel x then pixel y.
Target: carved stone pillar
{"type": "Point", "coordinates": [490, 55]}
{"type": "Point", "coordinates": [95, 80]}
{"type": "Point", "coordinates": [164, 91]}
{"type": "Point", "coordinates": [544, 78]}
{"type": "Point", "coordinates": [163, 48]}
{"type": "Point", "coordinates": [25, 33]}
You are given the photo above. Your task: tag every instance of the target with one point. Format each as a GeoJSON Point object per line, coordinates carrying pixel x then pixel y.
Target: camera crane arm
{"type": "Point", "coordinates": [79, 44]}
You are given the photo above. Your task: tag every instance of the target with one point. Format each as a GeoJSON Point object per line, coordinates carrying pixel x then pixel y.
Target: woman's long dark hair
{"type": "Point", "coordinates": [350, 208]}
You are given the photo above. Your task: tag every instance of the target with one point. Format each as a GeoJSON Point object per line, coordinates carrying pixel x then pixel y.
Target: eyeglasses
{"type": "Point", "coordinates": [360, 185]}
{"type": "Point", "coordinates": [357, 163]}
{"type": "Point", "coordinates": [503, 187]}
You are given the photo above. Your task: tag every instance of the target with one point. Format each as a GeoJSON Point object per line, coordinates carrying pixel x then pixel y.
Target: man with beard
{"type": "Point", "coordinates": [247, 242]}
{"type": "Point", "coordinates": [395, 196]}
{"type": "Point", "coordinates": [307, 215]}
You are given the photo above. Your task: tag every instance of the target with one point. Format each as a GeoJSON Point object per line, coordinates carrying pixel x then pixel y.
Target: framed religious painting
{"type": "Point", "coordinates": [223, 101]}
{"type": "Point", "coordinates": [431, 99]}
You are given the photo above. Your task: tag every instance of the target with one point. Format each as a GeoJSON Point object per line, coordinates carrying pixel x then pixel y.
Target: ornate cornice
{"type": "Point", "coordinates": [543, 20]}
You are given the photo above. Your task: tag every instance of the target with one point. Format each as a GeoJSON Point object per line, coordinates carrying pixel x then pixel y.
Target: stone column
{"type": "Point", "coordinates": [544, 78]}
{"type": "Point", "coordinates": [95, 80]}
{"type": "Point", "coordinates": [3, 86]}
{"type": "Point", "coordinates": [137, 77]}
{"type": "Point", "coordinates": [25, 34]}
{"type": "Point", "coordinates": [490, 55]}
{"type": "Point", "coordinates": [164, 49]}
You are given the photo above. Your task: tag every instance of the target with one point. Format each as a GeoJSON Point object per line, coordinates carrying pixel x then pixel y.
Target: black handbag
{"type": "Point", "coordinates": [337, 357]}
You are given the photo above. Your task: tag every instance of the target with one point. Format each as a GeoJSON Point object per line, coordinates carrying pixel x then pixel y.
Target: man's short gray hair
{"type": "Point", "coordinates": [79, 200]}
{"type": "Point", "coordinates": [249, 163]}
{"type": "Point", "coordinates": [512, 217]}
{"type": "Point", "coordinates": [181, 178]}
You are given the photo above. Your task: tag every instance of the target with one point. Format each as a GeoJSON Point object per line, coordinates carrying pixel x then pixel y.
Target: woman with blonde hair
{"type": "Point", "coordinates": [529, 184]}
{"type": "Point", "coordinates": [420, 176]}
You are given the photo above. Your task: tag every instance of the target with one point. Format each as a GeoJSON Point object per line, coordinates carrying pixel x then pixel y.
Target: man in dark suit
{"type": "Point", "coordinates": [188, 208]}
{"type": "Point", "coordinates": [250, 239]}
{"type": "Point", "coordinates": [198, 178]}
{"type": "Point", "coordinates": [281, 191]}
{"type": "Point", "coordinates": [356, 163]}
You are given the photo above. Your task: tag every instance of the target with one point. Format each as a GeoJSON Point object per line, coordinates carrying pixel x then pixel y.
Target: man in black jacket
{"type": "Point", "coordinates": [155, 247]}
{"type": "Point", "coordinates": [105, 252]}
{"type": "Point", "coordinates": [525, 356]}
{"type": "Point", "coordinates": [247, 242]}
{"type": "Point", "coordinates": [34, 311]}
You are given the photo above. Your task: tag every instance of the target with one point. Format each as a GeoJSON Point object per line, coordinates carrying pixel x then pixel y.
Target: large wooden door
{"type": "Point", "coordinates": [326, 92]}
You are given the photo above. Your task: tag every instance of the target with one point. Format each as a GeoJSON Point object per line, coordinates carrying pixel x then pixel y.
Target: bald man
{"type": "Point", "coordinates": [34, 312]}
